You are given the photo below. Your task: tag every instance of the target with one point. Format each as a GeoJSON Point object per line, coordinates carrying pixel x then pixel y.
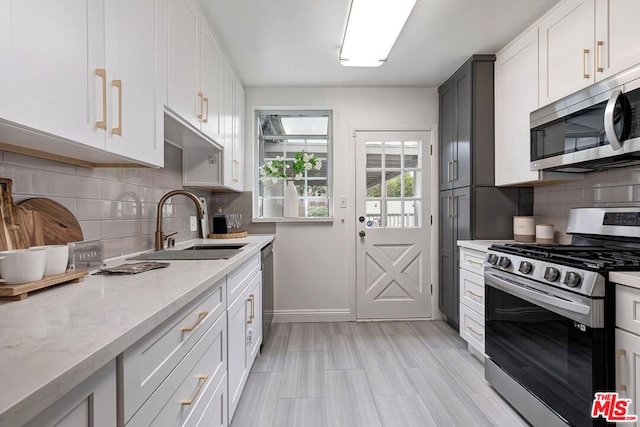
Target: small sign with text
{"type": "Point", "coordinates": [612, 408]}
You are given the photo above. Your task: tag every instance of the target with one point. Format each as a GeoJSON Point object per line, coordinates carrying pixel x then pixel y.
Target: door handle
{"type": "Point", "coordinates": [449, 206]}
{"type": "Point", "coordinates": [118, 130]}
{"type": "Point", "coordinates": [362, 233]}
{"type": "Point", "coordinates": [621, 353]}
{"type": "Point", "coordinates": [206, 116]}
{"type": "Point", "coordinates": [599, 69]}
{"type": "Point", "coordinates": [454, 204]}
{"type": "Point", "coordinates": [201, 96]}
{"type": "Point", "coordinates": [585, 75]}
{"type": "Point", "coordinates": [102, 73]}
{"type": "Point", "coordinates": [449, 179]}
{"type": "Point", "coordinates": [454, 164]}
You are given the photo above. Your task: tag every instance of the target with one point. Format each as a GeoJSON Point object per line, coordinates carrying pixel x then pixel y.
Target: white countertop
{"type": "Point", "coordinates": [480, 245]}
{"type": "Point", "coordinates": [629, 278]}
{"type": "Point", "coordinates": [57, 338]}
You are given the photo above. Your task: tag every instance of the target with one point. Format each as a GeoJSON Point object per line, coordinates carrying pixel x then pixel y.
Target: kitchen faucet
{"type": "Point", "coordinates": [159, 235]}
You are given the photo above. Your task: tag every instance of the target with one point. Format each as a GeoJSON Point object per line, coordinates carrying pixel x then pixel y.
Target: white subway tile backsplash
{"type": "Point", "coordinates": [117, 205]}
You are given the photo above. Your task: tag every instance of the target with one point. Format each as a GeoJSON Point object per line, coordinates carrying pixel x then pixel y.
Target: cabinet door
{"type": "Point", "coordinates": [237, 351]}
{"type": "Point", "coordinates": [447, 295]}
{"type": "Point", "coordinates": [516, 97]}
{"type": "Point", "coordinates": [567, 50]}
{"type": "Point", "coordinates": [628, 367]}
{"type": "Point", "coordinates": [447, 134]}
{"type": "Point", "coordinates": [254, 329]}
{"type": "Point", "coordinates": [228, 100]}
{"type": "Point", "coordinates": [91, 404]}
{"type": "Point", "coordinates": [49, 54]}
{"type": "Point", "coordinates": [132, 32]}
{"type": "Point", "coordinates": [182, 69]}
{"type": "Point", "coordinates": [617, 36]}
{"type": "Point", "coordinates": [238, 136]}
{"type": "Point", "coordinates": [211, 73]}
{"type": "Point", "coordinates": [463, 81]}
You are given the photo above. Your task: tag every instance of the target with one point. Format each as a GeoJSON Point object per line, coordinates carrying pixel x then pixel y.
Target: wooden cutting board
{"type": "Point", "coordinates": [12, 232]}
{"type": "Point", "coordinates": [58, 223]}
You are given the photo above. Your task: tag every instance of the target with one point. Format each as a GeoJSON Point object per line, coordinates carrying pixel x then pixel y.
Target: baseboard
{"type": "Point", "coordinates": [327, 315]}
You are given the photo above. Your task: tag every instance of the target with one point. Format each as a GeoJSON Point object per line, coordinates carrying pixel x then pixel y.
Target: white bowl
{"type": "Point", "coordinates": [23, 265]}
{"type": "Point", "coordinates": [57, 258]}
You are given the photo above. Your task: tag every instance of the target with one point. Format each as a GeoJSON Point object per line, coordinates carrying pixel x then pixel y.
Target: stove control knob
{"type": "Point", "coordinates": [504, 262]}
{"type": "Point", "coordinates": [492, 259]}
{"type": "Point", "coordinates": [525, 267]}
{"type": "Point", "coordinates": [552, 274]}
{"type": "Point", "coordinates": [572, 279]}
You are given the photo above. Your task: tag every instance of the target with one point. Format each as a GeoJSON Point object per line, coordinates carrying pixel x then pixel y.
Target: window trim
{"type": "Point", "coordinates": [256, 163]}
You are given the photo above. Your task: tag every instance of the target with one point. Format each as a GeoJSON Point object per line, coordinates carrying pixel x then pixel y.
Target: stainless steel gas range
{"type": "Point", "coordinates": [550, 316]}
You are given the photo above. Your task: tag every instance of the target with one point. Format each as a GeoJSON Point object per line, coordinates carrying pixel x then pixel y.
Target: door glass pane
{"type": "Point", "coordinates": [393, 154]}
{"type": "Point", "coordinates": [374, 213]}
{"type": "Point", "coordinates": [394, 184]}
{"type": "Point", "coordinates": [411, 154]}
{"type": "Point", "coordinates": [412, 184]}
{"type": "Point", "coordinates": [394, 214]}
{"type": "Point", "coordinates": [374, 181]}
{"type": "Point", "coordinates": [411, 213]}
{"type": "Point", "coordinates": [374, 154]}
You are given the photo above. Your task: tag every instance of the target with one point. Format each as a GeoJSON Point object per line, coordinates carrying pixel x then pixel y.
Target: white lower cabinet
{"type": "Point", "coordinates": [472, 299]}
{"type": "Point", "coordinates": [628, 346]}
{"type": "Point", "coordinates": [91, 404]}
{"type": "Point", "coordinates": [245, 336]}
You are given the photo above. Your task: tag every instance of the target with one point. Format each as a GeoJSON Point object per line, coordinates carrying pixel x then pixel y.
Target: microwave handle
{"type": "Point", "coordinates": [609, 129]}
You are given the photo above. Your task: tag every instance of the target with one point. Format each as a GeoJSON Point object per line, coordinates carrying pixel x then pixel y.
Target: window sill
{"type": "Point", "coordinates": [294, 220]}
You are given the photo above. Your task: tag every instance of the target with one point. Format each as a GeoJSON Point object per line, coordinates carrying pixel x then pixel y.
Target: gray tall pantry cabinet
{"type": "Point", "coordinates": [471, 207]}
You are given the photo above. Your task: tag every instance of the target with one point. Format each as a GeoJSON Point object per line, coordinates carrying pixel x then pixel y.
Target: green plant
{"type": "Point", "coordinates": [317, 211]}
{"type": "Point", "coordinates": [275, 170]}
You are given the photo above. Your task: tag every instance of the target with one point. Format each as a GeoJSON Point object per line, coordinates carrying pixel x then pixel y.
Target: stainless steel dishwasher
{"type": "Point", "coordinates": [267, 290]}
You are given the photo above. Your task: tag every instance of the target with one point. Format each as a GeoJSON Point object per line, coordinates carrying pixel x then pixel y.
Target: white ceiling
{"type": "Point", "coordinates": [297, 42]}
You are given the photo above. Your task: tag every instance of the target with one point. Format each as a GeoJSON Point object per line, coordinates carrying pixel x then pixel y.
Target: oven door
{"type": "Point", "coordinates": [550, 341]}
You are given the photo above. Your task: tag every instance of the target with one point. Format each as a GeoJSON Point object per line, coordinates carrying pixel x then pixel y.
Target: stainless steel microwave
{"type": "Point", "coordinates": [593, 129]}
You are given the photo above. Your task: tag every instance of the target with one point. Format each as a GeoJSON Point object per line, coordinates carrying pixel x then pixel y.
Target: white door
{"type": "Point", "coordinates": [238, 136]}
{"type": "Point", "coordinates": [628, 366]}
{"type": "Point", "coordinates": [228, 100]}
{"type": "Point", "coordinates": [131, 29]}
{"type": "Point", "coordinates": [182, 38]}
{"type": "Point", "coordinates": [567, 50]}
{"type": "Point", "coordinates": [211, 72]}
{"type": "Point", "coordinates": [394, 237]}
{"type": "Point", "coordinates": [49, 54]}
{"type": "Point", "coordinates": [617, 36]}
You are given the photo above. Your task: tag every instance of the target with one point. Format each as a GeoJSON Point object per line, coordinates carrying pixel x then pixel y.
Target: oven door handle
{"type": "Point", "coordinates": [534, 296]}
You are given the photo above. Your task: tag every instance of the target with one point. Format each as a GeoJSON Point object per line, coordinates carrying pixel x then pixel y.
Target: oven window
{"type": "Point", "coordinates": [579, 131]}
{"type": "Point", "coordinates": [551, 356]}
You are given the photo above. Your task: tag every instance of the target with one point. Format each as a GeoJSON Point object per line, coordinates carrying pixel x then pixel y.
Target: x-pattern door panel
{"type": "Point", "coordinates": [392, 185]}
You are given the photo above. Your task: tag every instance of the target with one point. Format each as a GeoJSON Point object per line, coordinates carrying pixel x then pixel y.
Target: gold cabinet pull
{"type": "Point", "coordinates": [585, 75]}
{"type": "Point", "coordinates": [205, 100]}
{"type": "Point", "coordinates": [202, 380]}
{"type": "Point", "coordinates": [454, 164]}
{"type": "Point", "coordinates": [252, 315]}
{"type": "Point", "coordinates": [475, 263]}
{"type": "Point", "coordinates": [474, 294]}
{"type": "Point", "coordinates": [102, 73]}
{"type": "Point", "coordinates": [474, 331]}
{"type": "Point", "coordinates": [621, 353]}
{"type": "Point", "coordinates": [118, 130]}
{"type": "Point", "coordinates": [201, 317]}
{"type": "Point", "coordinates": [599, 69]}
{"type": "Point", "coordinates": [201, 96]}
{"type": "Point", "coordinates": [449, 164]}
{"type": "Point", "coordinates": [236, 171]}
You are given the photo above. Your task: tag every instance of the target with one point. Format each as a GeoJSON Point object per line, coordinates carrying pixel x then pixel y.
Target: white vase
{"type": "Point", "coordinates": [290, 200]}
{"type": "Point", "coordinates": [272, 200]}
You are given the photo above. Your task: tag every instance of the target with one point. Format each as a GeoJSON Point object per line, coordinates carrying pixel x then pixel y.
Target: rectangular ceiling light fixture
{"type": "Point", "coordinates": [372, 29]}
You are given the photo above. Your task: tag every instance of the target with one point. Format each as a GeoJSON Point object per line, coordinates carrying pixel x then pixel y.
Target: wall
{"type": "Point", "coordinates": [115, 204]}
{"type": "Point", "coordinates": [618, 187]}
{"type": "Point", "coordinates": [240, 203]}
{"type": "Point", "coordinates": [315, 263]}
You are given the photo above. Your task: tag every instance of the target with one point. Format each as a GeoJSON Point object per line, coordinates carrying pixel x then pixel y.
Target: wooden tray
{"type": "Point", "coordinates": [238, 235]}
{"type": "Point", "coordinates": [20, 292]}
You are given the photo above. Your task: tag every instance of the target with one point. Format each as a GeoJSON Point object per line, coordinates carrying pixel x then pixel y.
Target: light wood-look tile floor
{"type": "Point", "coordinates": [370, 374]}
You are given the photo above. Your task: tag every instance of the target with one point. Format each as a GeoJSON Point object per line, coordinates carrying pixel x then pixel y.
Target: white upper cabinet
{"type": "Point", "coordinates": [211, 72]}
{"type": "Point", "coordinates": [567, 50]}
{"type": "Point", "coordinates": [182, 38]}
{"type": "Point", "coordinates": [516, 87]}
{"type": "Point", "coordinates": [617, 36]}
{"type": "Point", "coordinates": [49, 55]}
{"type": "Point", "coordinates": [233, 114]}
{"type": "Point", "coordinates": [82, 74]}
{"type": "Point", "coordinates": [238, 135]}
{"type": "Point", "coordinates": [132, 51]}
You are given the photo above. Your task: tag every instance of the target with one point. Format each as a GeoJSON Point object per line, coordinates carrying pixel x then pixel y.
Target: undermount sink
{"type": "Point", "coordinates": [197, 252]}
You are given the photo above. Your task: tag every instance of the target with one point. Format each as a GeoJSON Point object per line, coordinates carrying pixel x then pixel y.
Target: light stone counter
{"type": "Point", "coordinates": [480, 245]}
{"type": "Point", "coordinates": [629, 278]}
{"type": "Point", "coordinates": [55, 339]}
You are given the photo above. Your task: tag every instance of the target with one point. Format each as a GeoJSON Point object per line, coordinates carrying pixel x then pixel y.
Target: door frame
{"type": "Point", "coordinates": [433, 212]}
